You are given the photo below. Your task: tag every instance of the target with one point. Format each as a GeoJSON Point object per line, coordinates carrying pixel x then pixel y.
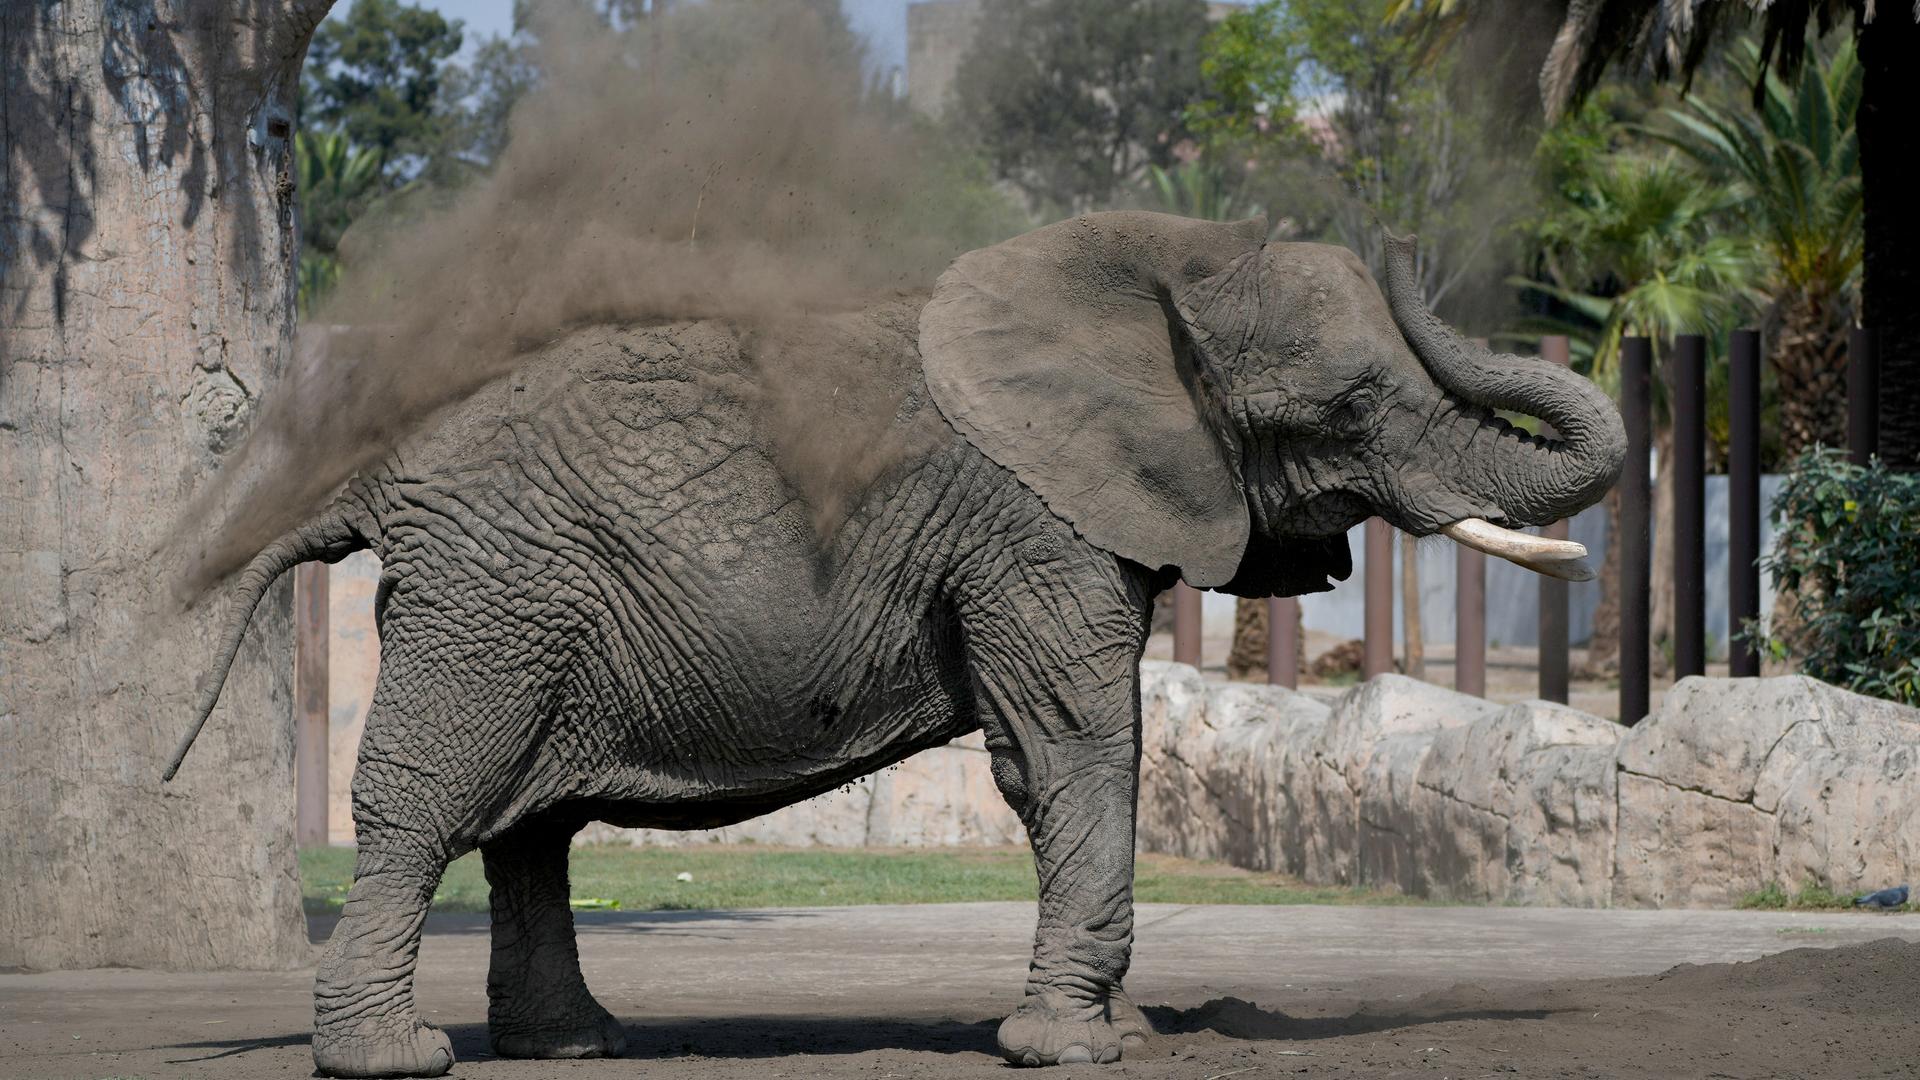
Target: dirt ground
{"type": "Point", "coordinates": [872, 993]}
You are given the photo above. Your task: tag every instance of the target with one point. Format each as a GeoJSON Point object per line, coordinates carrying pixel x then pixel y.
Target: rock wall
{"type": "Point", "coordinates": [943, 797]}
{"type": "Point", "coordinates": [1733, 784]}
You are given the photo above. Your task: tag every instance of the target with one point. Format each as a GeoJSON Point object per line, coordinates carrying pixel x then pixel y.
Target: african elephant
{"type": "Point", "coordinates": [610, 591]}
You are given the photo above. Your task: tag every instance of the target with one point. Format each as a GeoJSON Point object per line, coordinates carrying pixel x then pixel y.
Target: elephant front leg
{"type": "Point", "coordinates": [538, 1005]}
{"type": "Point", "coordinates": [1057, 664]}
{"type": "Point", "coordinates": [1075, 1007]}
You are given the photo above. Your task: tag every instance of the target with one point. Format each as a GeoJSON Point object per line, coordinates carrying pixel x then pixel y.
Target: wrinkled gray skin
{"type": "Point", "coordinates": [607, 593]}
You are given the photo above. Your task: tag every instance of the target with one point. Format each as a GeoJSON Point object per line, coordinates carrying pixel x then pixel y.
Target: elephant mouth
{"type": "Point", "coordinates": [1563, 559]}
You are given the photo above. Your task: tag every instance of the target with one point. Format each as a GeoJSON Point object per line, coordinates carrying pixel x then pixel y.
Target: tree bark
{"type": "Point", "coordinates": [147, 253]}
{"type": "Point", "coordinates": [1891, 279]}
{"type": "Point", "coordinates": [1809, 358]}
{"type": "Point", "coordinates": [1660, 579]}
{"type": "Point", "coordinates": [1249, 652]}
{"type": "Point", "coordinates": [1250, 630]}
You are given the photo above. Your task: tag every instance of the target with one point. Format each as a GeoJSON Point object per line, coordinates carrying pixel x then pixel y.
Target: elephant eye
{"type": "Point", "coordinates": [1351, 413]}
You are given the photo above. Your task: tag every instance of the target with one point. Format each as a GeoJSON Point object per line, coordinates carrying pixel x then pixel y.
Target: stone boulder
{"type": "Point", "coordinates": [1222, 768]}
{"type": "Point", "coordinates": [1735, 784]}
{"type": "Point", "coordinates": [1361, 782]}
{"type": "Point", "coordinates": [1518, 807]}
{"type": "Point", "coordinates": [943, 797]}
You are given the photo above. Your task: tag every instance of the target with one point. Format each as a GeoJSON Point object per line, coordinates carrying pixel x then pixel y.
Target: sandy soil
{"type": "Point", "coordinates": [872, 993]}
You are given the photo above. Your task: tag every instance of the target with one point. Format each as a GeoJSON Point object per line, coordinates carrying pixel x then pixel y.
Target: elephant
{"type": "Point", "coordinates": [616, 586]}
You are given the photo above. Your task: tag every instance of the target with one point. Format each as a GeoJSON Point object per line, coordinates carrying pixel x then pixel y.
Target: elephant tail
{"type": "Point", "coordinates": [329, 537]}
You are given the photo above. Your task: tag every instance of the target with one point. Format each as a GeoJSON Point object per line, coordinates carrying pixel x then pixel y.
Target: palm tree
{"type": "Point", "coordinates": [1671, 38]}
{"type": "Point", "coordinates": [1793, 166]}
{"type": "Point", "coordinates": [1634, 247]}
{"type": "Point", "coordinates": [335, 179]}
{"type": "Point", "coordinates": [1198, 189]}
{"type": "Point", "coordinates": [1637, 250]}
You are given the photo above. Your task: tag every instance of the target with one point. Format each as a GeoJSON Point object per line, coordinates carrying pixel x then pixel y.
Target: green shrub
{"type": "Point", "coordinates": [1847, 546]}
{"type": "Point", "coordinates": [1812, 896]}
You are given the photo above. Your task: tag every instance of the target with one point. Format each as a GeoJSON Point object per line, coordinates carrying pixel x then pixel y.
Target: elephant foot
{"type": "Point", "coordinates": [424, 1050]}
{"type": "Point", "coordinates": [1058, 1028]}
{"type": "Point", "coordinates": [586, 1033]}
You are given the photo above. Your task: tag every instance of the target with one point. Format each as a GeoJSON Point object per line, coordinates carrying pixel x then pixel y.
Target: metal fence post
{"type": "Point", "coordinates": [1689, 506]}
{"type": "Point", "coordinates": [1863, 395]}
{"type": "Point", "coordinates": [310, 632]}
{"type": "Point", "coordinates": [1283, 641]}
{"type": "Point", "coordinates": [1636, 410]}
{"type": "Point", "coordinates": [1469, 621]}
{"type": "Point", "coordinates": [1186, 624]}
{"type": "Point", "coordinates": [1555, 676]}
{"type": "Point", "coordinates": [1743, 499]}
{"type": "Point", "coordinates": [1377, 653]}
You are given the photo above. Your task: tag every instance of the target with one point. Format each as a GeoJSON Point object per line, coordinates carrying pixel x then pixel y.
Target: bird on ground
{"type": "Point", "coordinates": [1885, 899]}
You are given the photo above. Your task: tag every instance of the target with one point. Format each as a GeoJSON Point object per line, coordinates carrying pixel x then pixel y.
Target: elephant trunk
{"type": "Point", "coordinates": [1532, 480]}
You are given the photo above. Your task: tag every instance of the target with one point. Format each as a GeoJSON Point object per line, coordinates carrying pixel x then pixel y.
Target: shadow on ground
{"type": "Point", "coordinates": [667, 923]}
{"type": "Point", "coordinates": [1238, 1019]}
{"type": "Point", "coordinates": [747, 1037]}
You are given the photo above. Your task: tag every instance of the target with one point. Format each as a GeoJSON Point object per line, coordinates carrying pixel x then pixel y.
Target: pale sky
{"type": "Point", "coordinates": [882, 22]}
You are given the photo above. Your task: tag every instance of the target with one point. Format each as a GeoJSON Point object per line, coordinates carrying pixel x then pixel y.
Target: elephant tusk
{"type": "Point", "coordinates": [1554, 558]}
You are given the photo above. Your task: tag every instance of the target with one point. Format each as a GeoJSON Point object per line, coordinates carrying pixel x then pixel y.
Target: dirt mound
{"type": "Point", "coordinates": [1851, 1011]}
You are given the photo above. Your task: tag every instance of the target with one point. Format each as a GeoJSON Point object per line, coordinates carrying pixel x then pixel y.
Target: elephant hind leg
{"type": "Point", "coordinates": [538, 1005]}
{"type": "Point", "coordinates": [365, 1021]}
{"type": "Point", "coordinates": [436, 758]}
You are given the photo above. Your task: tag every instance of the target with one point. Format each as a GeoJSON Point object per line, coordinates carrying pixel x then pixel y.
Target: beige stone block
{"type": "Point", "coordinates": [1681, 848]}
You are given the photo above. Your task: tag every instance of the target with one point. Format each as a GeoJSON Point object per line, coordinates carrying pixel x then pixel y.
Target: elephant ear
{"type": "Point", "coordinates": [1060, 355]}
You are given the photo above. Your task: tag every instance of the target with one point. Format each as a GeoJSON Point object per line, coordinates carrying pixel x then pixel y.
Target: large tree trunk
{"type": "Point", "coordinates": [1888, 46]}
{"type": "Point", "coordinates": [1660, 576]}
{"type": "Point", "coordinates": [1809, 357]}
{"type": "Point", "coordinates": [1249, 652]}
{"type": "Point", "coordinates": [146, 300]}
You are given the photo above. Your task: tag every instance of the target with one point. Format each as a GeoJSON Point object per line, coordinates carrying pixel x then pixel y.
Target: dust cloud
{"type": "Point", "coordinates": [719, 161]}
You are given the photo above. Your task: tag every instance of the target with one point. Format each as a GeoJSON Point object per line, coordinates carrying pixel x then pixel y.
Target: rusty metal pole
{"type": "Point", "coordinates": [1689, 505]}
{"type": "Point", "coordinates": [1863, 395]}
{"type": "Point", "coordinates": [1377, 653]}
{"type": "Point", "coordinates": [1469, 621]}
{"type": "Point", "coordinates": [1186, 624]}
{"type": "Point", "coordinates": [310, 633]}
{"type": "Point", "coordinates": [1743, 500]}
{"type": "Point", "coordinates": [1554, 666]}
{"type": "Point", "coordinates": [1283, 641]}
{"type": "Point", "coordinates": [1636, 410]}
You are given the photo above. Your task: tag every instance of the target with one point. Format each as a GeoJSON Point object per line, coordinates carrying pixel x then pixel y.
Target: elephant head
{"type": "Point", "coordinates": [1188, 395]}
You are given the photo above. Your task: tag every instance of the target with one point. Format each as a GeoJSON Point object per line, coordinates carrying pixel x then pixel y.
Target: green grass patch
{"type": "Point", "coordinates": [1811, 896]}
{"type": "Point", "coordinates": [618, 878]}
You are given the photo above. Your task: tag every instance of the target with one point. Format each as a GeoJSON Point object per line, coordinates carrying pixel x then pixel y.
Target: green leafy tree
{"type": "Point", "coordinates": [482, 93]}
{"type": "Point", "coordinates": [1330, 108]}
{"type": "Point", "coordinates": [1200, 190]}
{"type": "Point", "coordinates": [1637, 248]}
{"type": "Point", "coordinates": [376, 75]}
{"type": "Point", "coordinates": [1848, 550]}
{"type": "Point", "coordinates": [336, 180]}
{"type": "Point", "coordinates": [1675, 39]}
{"type": "Point", "coordinates": [1072, 100]}
{"type": "Point", "coordinates": [1631, 243]}
{"type": "Point", "coordinates": [1792, 166]}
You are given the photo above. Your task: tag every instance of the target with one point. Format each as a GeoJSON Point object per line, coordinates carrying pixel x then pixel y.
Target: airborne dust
{"type": "Point", "coordinates": [720, 161]}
